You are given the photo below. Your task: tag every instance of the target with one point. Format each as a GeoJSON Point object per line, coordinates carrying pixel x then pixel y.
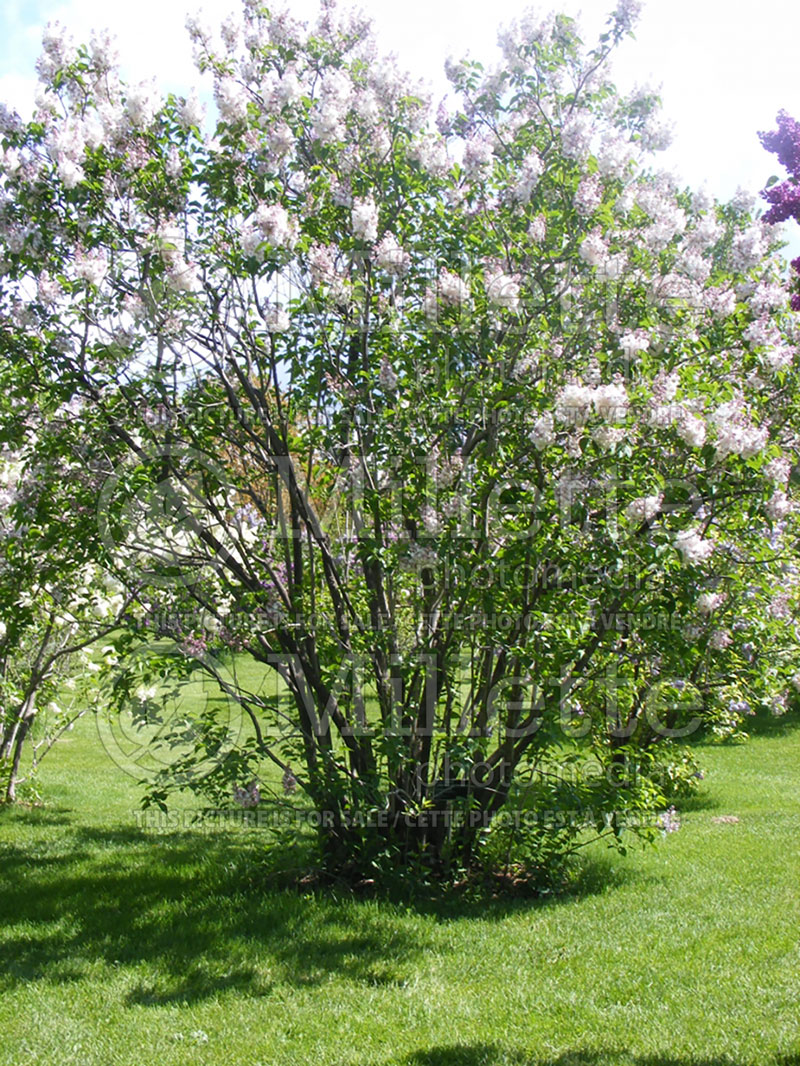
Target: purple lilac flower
{"type": "Point", "coordinates": [247, 796]}
{"type": "Point", "coordinates": [195, 647]}
{"type": "Point", "coordinates": [784, 142]}
{"type": "Point", "coordinates": [668, 821]}
{"type": "Point", "coordinates": [785, 200]}
{"type": "Point", "coordinates": [289, 781]}
{"type": "Point", "coordinates": [785, 197]}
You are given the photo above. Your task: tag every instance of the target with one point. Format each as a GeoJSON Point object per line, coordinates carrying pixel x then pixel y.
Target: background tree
{"type": "Point", "coordinates": [55, 603]}
{"type": "Point", "coordinates": [784, 196]}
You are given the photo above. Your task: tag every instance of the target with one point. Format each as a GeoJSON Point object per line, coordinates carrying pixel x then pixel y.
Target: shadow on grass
{"type": "Point", "coordinates": [34, 816]}
{"type": "Point", "coordinates": [703, 800]}
{"type": "Point", "coordinates": [762, 724]}
{"type": "Point", "coordinates": [493, 1055]}
{"type": "Point", "coordinates": [601, 873]}
{"type": "Point", "coordinates": [189, 911]}
{"type": "Point", "coordinates": [495, 896]}
{"type": "Point", "coordinates": [592, 875]}
{"type": "Point", "coordinates": [201, 914]}
{"type": "Point", "coordinates": [771, 725]}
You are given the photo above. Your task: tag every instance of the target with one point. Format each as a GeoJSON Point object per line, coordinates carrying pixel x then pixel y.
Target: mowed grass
{"type": "Point", "coordinates": [119, 945]}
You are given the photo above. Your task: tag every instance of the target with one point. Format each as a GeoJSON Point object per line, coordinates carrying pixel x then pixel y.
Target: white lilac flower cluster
{"type": "Point", "coordinates": [693, 548]}
{"type": "Point", "coordinates": [478, 156]}
{"type": "Point", "coordinates": [430, 152]}
{"type": "Point", "coordinates": [387, 378]}
{"type": "Point", "coordinates": [444, 469]}
{"type": "Point", "coordinates": [543, 432]}
{"type": "Point", "coordinates": [763, 334]}
{"type": "Point", "coordinates": [575, 403]}
{"type": "Point", "coordinates": [576, 136]}
{"type": "Point", "coordinates": [736, 434]}
{"type": "Point", "coordinates": [191, 112]}
{"type": "Point", "coordinates": [502, 290]}
{"type": "Point", "coordinates": [420, 557]}
{"type": "Point", "coordinates": [521, 34]}
{"type": "Point", "coordinates": [708, 602]}
{"type": "Point", "coordinates": [365, 220]}
{"type": "Point", "coordinates": [91, 267]}
{"type": "Point", "coordinates": [778, 506]}
{"type": "Point", "coordinates": [588, 196]}
{"type": "Point", "coordinates": [181, 276]}
{"type": "Point", "coordinates": [391, 257]}
{"type": "Point", "coordinates": [452, 290]}
{"type": "Point", "coordinates": [778, 469]}
{"type": "Point", "coordinates": [67, 144]}
{"type": "Point", "coordinates": [270, 226]}
{"type": "Point", "coordinates": [528, 178]}
{"type": "Point", "coordinates": [750, 246]}
{"type": "Point", "coordinates": [720, 639]}
{"type": "Point", "coordinates": [593, 250]}
{"type": "Point", "coordinates": [667, 218]}
{"type": "Point", "coordinates": [331, 107]}
{"type": "Point", "coordinates": [644, 508]}
{"type": "Point", "coordinates": [141, 105]}
{"type": "Point", "coordinates": [614, 156]}
{"type": "Point", "coordinates": [276, 319]}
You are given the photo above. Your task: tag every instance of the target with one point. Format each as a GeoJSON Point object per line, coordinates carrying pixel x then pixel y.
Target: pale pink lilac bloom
{"type": "Point", "coordinates": [645, 508]}
{"type": "Point", "coordinates": [588, 196]}
{"type": "Point", "coordinates": [502, 290]}
{"type": "Point", "coordinates": [633, 342]}
{"type": "Point", "coordinates": [669, 821]}
{"type": "Point", "coordinates": [191, 112]}
{"type": "Point", "coordinates": [708, 602]}
{"type": "Point", "coordinates": [478, 156]}
{"type": "Point", "coordinates": [538, 229]}
{"type": "Point", "coordinates": [364, 217]}
{"type": "Point", "coordinates": [574, 403]}
{"type": "Point", "coordinates": [749, 247]}
{"type": "Point", "coordinates": [528, 178]}
{"type": "Point", "coordinates": [608, 437]}
{"type": "Point", "coordinates": [593, 249]}
{"type": "Point", "coordinates": [611, 401]}
{"type": "Point", "coordinates": [391, 257]}
{"type": "Point", "coordinates": [778, 506]}
{"type": "Point", "coordinates": [247, 796]}
{"type": "Point", "coordinates": [720, 639]}
{"type": "Point", "coordinates": [720, 300]}
{"type": "Point", "coordinates": [276, 320]}
{"type": "Point", "coordinates": [184, 277]}
{"type": "Point", "coordinates": [691, 429]}
{"type": "Point", "coordinates": [141, 105]}
{"type": "Point", "coordinates": [778, 469]}
{"type": "Point", "coordinates": [576, 136]}
{"type": "Point", "coordinates": [91, 266]}
{"type": "Point", "coordinates": [387, 378]}
{"type": "Point", "coordinates": [453, 291]}
{"type": "Point", "coordinates": [692, 547]}
{"type": "Point", "coordinates": [543, 431]}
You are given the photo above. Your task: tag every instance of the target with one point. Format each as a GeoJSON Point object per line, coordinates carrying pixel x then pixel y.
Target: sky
{"type": "Point", "coordinates": [725, 67]}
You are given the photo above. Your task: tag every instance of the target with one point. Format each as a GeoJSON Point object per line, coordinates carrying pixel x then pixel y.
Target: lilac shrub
{"type": "Point", "coordinates": [466, 428]}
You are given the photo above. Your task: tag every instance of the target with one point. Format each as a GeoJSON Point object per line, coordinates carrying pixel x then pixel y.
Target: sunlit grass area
{"type": "Point", "coordinates": [122, 945]}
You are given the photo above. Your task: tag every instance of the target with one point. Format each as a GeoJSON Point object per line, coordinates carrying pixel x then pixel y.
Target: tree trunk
{"type": "Point", "coordinates": [14, 743]}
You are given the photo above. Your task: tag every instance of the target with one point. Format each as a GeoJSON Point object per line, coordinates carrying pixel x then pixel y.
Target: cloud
{"type": "Point", "coordinates": [17, 92]}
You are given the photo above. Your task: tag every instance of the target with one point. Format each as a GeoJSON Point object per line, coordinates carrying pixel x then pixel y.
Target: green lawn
{"type": "Point", "coordinates": [119, 945]}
